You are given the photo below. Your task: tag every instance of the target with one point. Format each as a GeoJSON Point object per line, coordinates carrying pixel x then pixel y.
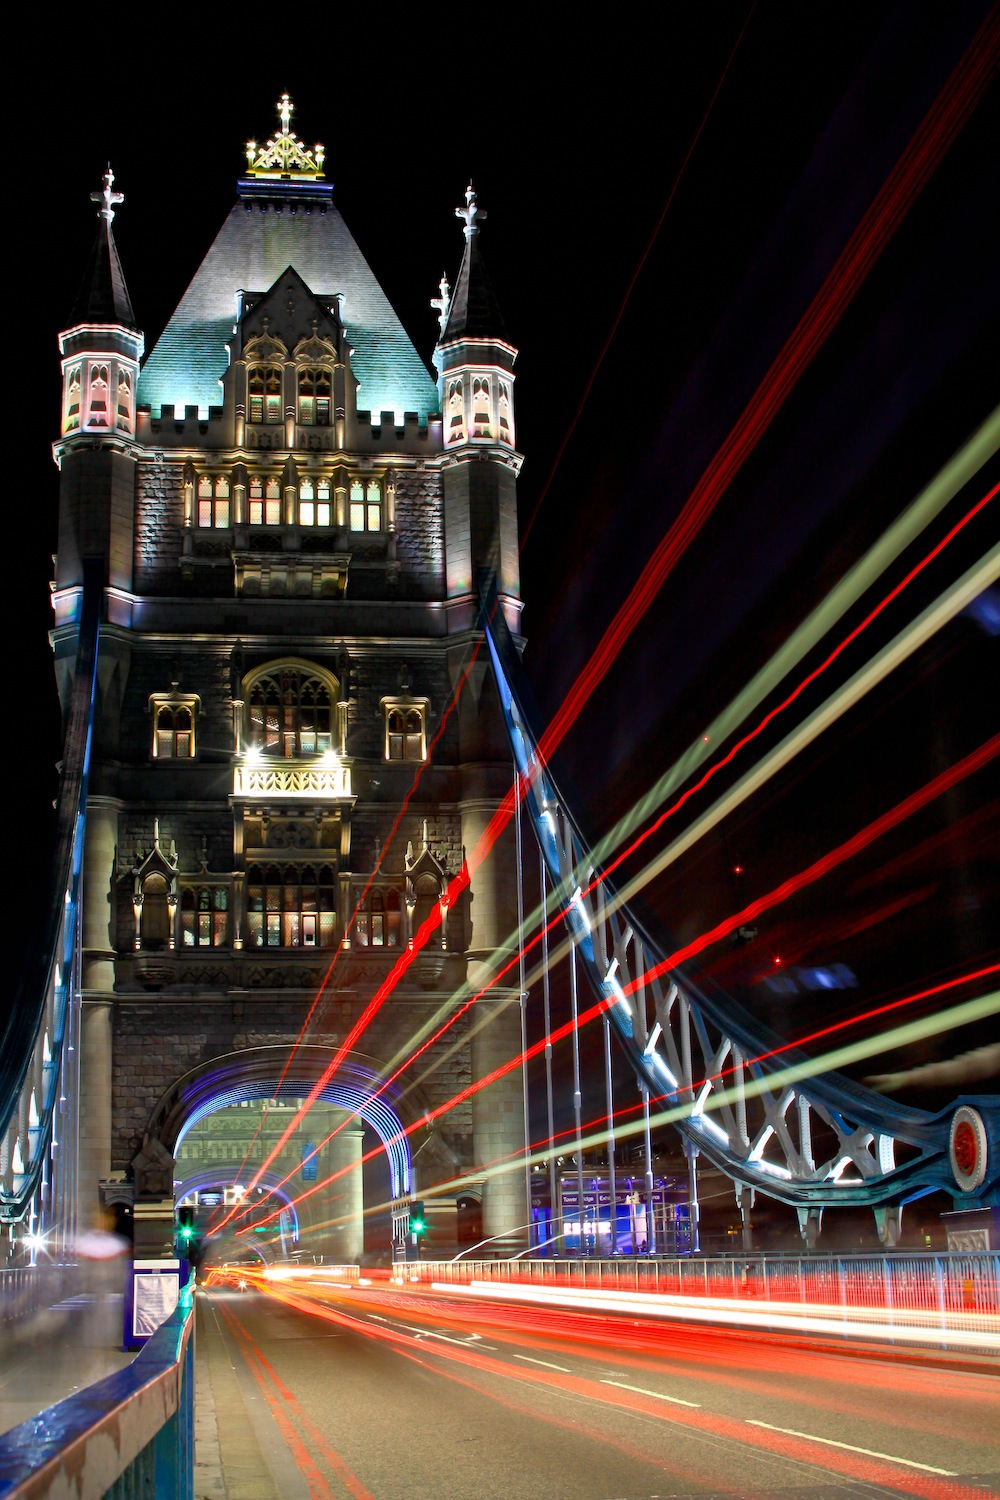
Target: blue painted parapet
{"type": "Point", "coordinates": [129, 1434]}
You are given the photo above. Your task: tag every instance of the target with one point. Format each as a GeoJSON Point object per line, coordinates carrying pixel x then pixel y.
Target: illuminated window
{"type": "Point", "coordinates": [481, 407]}
{"type": "Point", "coordinates": [264, 501]}
{"type": "Point", "coordinates": [291, 906]}
{"type": "Point", "coordinates": [456, 413]}
{"type": "Point", "coordinates": [506, 434]}
{"type": "Point", "coordinates": [124, 403]}
{"type": "Point", "coordinates": [74, 381]}
{"type": "Point", "coordinates": [213, 500]}
{"type": "Point", "coordinates": [405, 734]}
{"type": "Point", "coordinates": [174, 717]}
{"type": "Point", "coordinates": [205, 916]}
{"type": "Point", "coordinates": [379, 922]}
{"type": "Point", "coordinates": [314, 398]}
{"type": "Point", "coordinates": [154, 919]}
{"type": "Point", "coordinates": [99, 397]}
{"type": "Point", "coordinates": [314, 502]}
{"type": "Point", "coordinates": [290, 713]}
{"type": "Point", "coordinates": [366, 505]}
{"type": "Point", "coordinates": [264, 391]}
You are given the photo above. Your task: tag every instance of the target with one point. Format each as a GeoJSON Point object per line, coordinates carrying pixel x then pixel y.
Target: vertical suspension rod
{"type": "Point", "coordinates": [523, 1003]}
{"type": "Point", "coordinates": [577, 1096]}
{"type": "Point", "coordinates": [612, 1179]}
{"type": "Point", "coordinates": [555, 1233]}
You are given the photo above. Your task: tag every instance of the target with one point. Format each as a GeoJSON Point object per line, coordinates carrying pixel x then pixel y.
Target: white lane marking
{"type": "Point", "coordinates": [656, 1395]}
{"type": "Point", "coordinates": [428, 1333]}
{"type": "Point", "coordinates": [851, 1448]}
{"type": "Point", "coordinates": [543, 1362]}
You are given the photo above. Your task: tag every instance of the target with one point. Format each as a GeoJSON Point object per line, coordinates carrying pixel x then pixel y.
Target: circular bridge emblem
{"type": "Point", "coordinates": [968, 1148]}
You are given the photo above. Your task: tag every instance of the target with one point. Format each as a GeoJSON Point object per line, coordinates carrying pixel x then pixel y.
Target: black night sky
{"type": "Point", "coordinates": [574, 136]}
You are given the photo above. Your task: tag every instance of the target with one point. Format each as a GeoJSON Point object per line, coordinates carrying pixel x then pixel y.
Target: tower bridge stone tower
{"type": "Point", "coordinates": [290, 519]}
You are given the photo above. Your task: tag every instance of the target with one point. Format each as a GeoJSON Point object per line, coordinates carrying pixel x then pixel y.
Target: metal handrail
{"type": "Point", "coordinates": [132, 1429]}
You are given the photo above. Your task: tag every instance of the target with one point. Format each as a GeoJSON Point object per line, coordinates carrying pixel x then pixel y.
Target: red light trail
{"type": "Point", "coordinates": [919, 159]}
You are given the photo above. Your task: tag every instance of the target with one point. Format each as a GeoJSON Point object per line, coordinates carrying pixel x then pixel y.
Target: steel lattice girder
{"type": "Point", "coordinates": [711, 1067]}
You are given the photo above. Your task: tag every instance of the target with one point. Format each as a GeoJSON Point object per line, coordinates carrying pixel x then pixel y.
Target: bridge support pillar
{"type": "Point", "coordinates": [745, 1199]}
{"type": "Point", "coordinates": [810, 1224]}
{"type": "Point", "coordinates": [889, 1223]}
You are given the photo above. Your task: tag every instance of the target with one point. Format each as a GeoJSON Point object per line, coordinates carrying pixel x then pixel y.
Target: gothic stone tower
{"type": "Point", "coordinates": [289, 537]}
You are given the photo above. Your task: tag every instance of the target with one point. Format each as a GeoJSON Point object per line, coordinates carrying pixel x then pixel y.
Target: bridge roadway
{"type": "Point", "coordinates": [386, 1392]}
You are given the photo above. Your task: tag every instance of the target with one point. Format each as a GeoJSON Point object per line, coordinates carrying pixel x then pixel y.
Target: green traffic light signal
{"type": "Point", "coordinates": [418, 1219]}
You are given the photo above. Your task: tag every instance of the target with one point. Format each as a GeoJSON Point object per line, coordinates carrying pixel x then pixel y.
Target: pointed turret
{"type": "Point", "coordinates": [101, 350]}
{"type": "Point", "coordinates": [103, 296]}
{"type": "Point", "coordinates": [475, 362]}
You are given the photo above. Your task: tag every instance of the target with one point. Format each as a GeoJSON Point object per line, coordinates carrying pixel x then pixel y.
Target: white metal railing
{"type": "Point", "coordinates": [940, 1298]}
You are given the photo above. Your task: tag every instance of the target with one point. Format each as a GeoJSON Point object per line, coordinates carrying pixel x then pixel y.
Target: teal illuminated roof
{"type": "Point", "coordinates": [262, 236]}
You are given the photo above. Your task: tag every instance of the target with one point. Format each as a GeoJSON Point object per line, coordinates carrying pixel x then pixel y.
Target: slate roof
{"type": "Point", "coordinates": [103, 296]}
{"type": "Point", "coordinates": [257, 242]}
{"type": "Point", "coordinates": [474, 311]}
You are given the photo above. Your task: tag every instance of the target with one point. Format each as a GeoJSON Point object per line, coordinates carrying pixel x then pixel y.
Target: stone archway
{"type": "Point", "coordinates": [266, 1074]}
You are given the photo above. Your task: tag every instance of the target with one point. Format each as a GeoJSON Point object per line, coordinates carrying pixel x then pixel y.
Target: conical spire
{"type": "Point", "coordinates": [473, 312]}
{"type": "Point", "coordinates": [103, 296]}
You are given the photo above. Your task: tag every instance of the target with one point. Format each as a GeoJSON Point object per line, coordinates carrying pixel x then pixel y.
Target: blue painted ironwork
{"type": "Point", "coordinates": [710, 1064]}
{"type": "Point", "coordinates": [131, 1433]}
{"type": "Point", "coordinates": [32, 1046]}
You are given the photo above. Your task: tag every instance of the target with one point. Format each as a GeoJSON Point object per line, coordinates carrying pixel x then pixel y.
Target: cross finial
{"type": "Point", "coordinates": [442, 303]}
{"type": "Point", "coordinates": [285, 107]}
{"type": "Point", "coordinates": [107, 197]}
{"type": "Point", "coordinates": [470, 213]}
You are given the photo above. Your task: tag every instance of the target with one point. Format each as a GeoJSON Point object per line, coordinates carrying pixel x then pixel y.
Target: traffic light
{"type": "Point", "coordinates": [418, 1219]}
{"type": "Point", "coordinates": [187, 1233]}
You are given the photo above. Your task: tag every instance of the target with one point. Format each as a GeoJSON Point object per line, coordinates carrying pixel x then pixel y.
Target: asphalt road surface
{"type": "Point", "coordinates": [388, 1393]}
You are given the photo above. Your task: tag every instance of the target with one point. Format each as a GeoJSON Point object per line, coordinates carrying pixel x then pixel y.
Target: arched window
{"type": "Point", "coordinates": [173, 736]}
{"type": "Point", "coordinates": [315, 387]}
{"type": "Point", "coordinates": [213, 500]}
{"type": "Point", "coordinates": [205, 916]}
{"type": "Point", "coordinates": [506, 419]}
{"type": "Point", "coordinates": [290, 713]}
{"type": "Point", "coordinates": [366, 505]}
{"type": "Point", "coordinates": [154, 921]}
{"type": "Point", "coordinates": [99, 398]}
{"type": "Point", "coordinates": [264, 393]}
{"type": "Point", "coordinates": [378, 923]}
{"type": "Point", "coordinates": [73, 389]}
{"type": "Point", "coordinates": [456, 413]}
{"type": "Point", "coordinates": [290, 906]}
{"type": "Point", "coordinates": [124, 404]}
{"type": "Point", "coordinates": [314, 502]}
{"type": "Point", "coordinates": [264, 500]}
{"type": "Point", "coordinates": [404, 732]}
{"type": "Point", "coordinates": [481, 407]}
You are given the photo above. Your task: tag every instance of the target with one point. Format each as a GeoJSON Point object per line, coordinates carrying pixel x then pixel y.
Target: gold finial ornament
{"type": "Point", "coordinates": [284, 156]}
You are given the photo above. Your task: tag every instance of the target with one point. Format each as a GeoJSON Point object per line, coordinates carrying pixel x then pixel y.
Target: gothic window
{"type": "Point", "coordinates": [481, 407]}
{"type": "Point", "coordinates": [366, 505]}
{"type": "Point", "coordinates": [213, 500]}
{"type": "Point", "coordinates": [154, 920]}
{"type": "Point", "coordinates": [314, 502]}
{"type": "Point", "coordinates": [264, 500]}
{"type": "Point", "coordinates": [378, 922]}
{"type": "Point", "coordinates": [290, 906]}
{"type": "Point", "coordinates": [264, 391]}
{"type": "Point", "coordinates": [97, 409]}
{"type": "Point", "coordinates": [73, 390]}
{"type": "Point", "coordinates": [506, 435]}
{"type": "Point", "coordinates": [314, 397]}
{"type": "Point", "coordinates": [124, 403]}
{"type": "Point", "coordinates": [205, 916]}
{"type": "Point", "coordinates": [291, 713]}
{"type": "Point", "coordinates": [456, 414]}
{"type": "Point", "coordinates": [173, 725]}
{"type": "Point", "coordinates": [405, 733]}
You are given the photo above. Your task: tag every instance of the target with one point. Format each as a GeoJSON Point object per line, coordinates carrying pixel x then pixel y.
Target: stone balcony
{"type": "Point", "coordinates": [293, 780]}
